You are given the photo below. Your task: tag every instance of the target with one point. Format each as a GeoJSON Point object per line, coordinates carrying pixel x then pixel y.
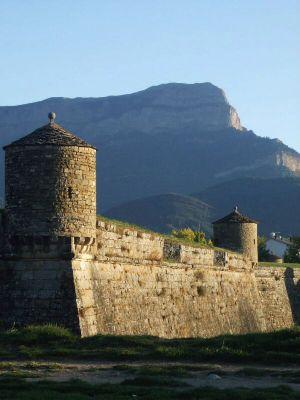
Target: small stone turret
{"type": "Point", "coordinates": [238, 233]}
{"type": "Point", "coordinates": [50, 184]}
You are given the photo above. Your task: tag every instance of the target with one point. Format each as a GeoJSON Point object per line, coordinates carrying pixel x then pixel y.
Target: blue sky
{"type": "Point", "coordinates": [96, 48]}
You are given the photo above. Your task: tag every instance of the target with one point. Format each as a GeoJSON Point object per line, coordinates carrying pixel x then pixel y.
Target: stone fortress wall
{"type": "Point", "coordinates": [141, 283]}
{"type": "Point", "coordinates": [59, 264]}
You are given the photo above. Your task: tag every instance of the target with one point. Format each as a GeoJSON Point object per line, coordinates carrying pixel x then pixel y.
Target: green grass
{"type": "Point", "coordinates": [55, 343]}
{"type": "Point", "coordinates": [143, 382]}
{"type": "Point", "coordinates": [126, 225]}
{"type": "Point", "coordinates": [278, 265]}
{"type": "Point", "coordinates": [150, 389]}
{"type": "Point", "coordinates": [18, 374]}
{"type": "Point", "coordinates": [31, 365]}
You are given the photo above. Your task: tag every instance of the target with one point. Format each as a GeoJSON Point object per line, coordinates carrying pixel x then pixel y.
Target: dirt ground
{"type": "Point", "coordinates": [219, 376]}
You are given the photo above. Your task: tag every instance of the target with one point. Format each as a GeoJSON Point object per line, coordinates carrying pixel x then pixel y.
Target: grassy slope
{"type": "Point", "coordinates": [58, 343]}
{"type": "Point", "coordinates": [278, 265]}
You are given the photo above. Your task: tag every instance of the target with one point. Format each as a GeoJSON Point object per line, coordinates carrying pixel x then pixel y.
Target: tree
{"type": "Point", "coordinates": [263, 252]}
{"type": "Point", "coordinates": [292, 254]}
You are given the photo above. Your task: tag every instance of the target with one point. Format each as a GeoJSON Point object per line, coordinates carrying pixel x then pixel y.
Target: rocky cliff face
{"type": "Point", "coordinates": [288, 161]}
{"type": "Point", "coordinates": [169, 138]}
{"type": "Point", "coordinates": [176, 105]}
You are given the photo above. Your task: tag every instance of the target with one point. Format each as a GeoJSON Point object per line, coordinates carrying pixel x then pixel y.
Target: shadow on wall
{"type": "Point", "coordinates": [293, 291]}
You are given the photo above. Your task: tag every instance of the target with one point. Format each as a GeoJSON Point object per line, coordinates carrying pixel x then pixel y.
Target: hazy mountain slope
{"type": "Point", "coordinates": [273, 202]}
{"type": "Point", "coordinates": [165, 212]}
{"type": "Point", "coordinates": [168, 138]}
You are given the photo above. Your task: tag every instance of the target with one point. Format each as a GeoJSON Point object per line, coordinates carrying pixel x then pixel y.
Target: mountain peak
{"type": "Point", "coordinates": [197, 93]}
{"type": "Point", "coordinates": [200, 88]}
{"type": "Point", "coordinates": [204, 104]}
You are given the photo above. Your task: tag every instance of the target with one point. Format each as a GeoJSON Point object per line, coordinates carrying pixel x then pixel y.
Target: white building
{"type": "Point", "coordinates": [277, 245]}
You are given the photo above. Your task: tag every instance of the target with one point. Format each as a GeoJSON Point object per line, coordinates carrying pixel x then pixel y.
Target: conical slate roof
{"type": "Point", "coordinates": [235, 217]}
{"type": "Point", "coordinates": [50, 134]}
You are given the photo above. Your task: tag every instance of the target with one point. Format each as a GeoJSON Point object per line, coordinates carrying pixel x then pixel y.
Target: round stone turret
{"type": "Point", "coordinates": [50, 184]}
{"type": "Point", "coordinates": [238, 233]}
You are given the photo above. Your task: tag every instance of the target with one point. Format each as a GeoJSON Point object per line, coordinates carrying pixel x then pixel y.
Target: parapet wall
{"type": "Point", "coordinates": [115, 242]}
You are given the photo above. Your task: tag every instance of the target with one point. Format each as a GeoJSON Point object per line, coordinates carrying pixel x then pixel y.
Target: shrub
{"type": "Point", "coordinates": [191, 236]}
{"type": "Point", "coordinates": [186, 233]}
